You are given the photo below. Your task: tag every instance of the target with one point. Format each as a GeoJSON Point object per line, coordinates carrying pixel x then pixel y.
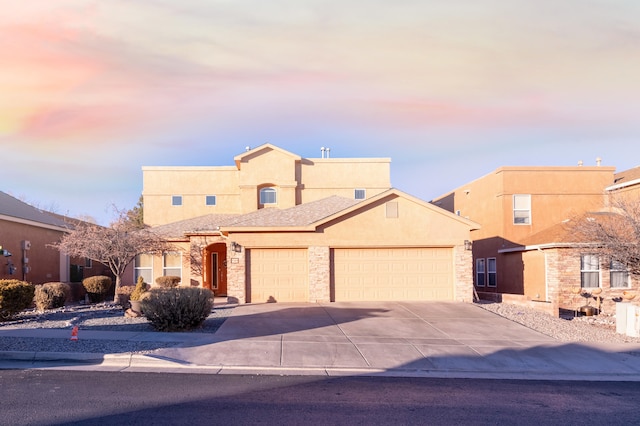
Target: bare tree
{"type": "Point", "coordinates": [115, 246]}
{"type": "Point", "coordinates": [615, 233]}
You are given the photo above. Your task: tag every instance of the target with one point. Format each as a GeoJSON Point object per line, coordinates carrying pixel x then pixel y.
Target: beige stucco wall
{"type": "Point", "coordinates": [236, 187]}
{"type": "Point", "coordinates": [193, 184]}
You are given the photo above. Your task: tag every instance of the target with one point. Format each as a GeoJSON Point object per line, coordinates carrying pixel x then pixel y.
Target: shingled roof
{"type": "Point", "coordinates": [14, 208]}
{"type": "Point", "coordinates": [301, 215]}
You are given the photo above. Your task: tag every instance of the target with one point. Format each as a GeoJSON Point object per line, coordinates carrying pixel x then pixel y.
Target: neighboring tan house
{"type": "Point", "coordinates": [290, 229]}
{"type": "Point", "coordinates": [526, 245]}
{"type": "Point", "coordinates": [27, 233]}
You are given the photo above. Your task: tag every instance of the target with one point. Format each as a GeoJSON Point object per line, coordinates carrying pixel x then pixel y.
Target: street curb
{"type": "Point", "coordinates": [132, 362]}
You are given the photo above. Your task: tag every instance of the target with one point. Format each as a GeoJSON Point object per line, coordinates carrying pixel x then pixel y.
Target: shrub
{"type": "Point", "coordinates": [168, 281]}
{"type": "Point", "coordinates": [141, 288]}
{"type": "Point", "coordinates": [15, 296]}
{"type": "Point", "coordinates": [177, 309]}
{"type": "Point", "coordinates": [51, 295]}
{"type": "Point", "coordinates": [97, 287]}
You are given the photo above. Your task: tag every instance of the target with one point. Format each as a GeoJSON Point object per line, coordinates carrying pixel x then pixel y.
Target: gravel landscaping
{"type": "Point", "coordinates": [600, 328]}
{"type": "Point", "coordinates": [98, 317]}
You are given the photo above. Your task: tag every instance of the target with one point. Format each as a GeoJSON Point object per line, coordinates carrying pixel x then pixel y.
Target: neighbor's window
{"type": "Point", "coordinates": [522, 209]}
{"type": "Point", "coordinates": [618, 275]}
{"type": "Point", "coordinates": [360, 194]}
{"type": "Point", "coordinates": [172, 264]}
{"type": "Point", "coordinates": [144, 267]}
{"type": "Point", "coordinates": [268, 196]}
{"type": "Point", "coordinates": [492, 274]}
{"type": "Point", "coordinates": [589, 271]}
{"type": "Point", "coordinates": [210, 200]}
{"type": "Point", "coordinates": [88, 263]}
{"type": "Point", "coordinates": [176, 200]}
{"type": "Point", "coordinates": [480, 276]}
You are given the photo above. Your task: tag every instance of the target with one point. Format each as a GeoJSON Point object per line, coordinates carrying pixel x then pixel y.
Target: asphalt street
{"type": "Point", "coordinates": [41, 397]}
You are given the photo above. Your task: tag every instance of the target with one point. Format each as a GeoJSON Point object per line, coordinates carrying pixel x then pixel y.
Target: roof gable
{"type": "Point", "coordinates": [396, 192]}
{"type": "Point", "coordinates": [261, 150]}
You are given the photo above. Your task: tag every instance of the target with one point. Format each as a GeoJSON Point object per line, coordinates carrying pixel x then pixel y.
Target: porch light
{"type": "Point", "coordinates": [236, 247]}
{"type": "Point", "coordinates": [468, 245]}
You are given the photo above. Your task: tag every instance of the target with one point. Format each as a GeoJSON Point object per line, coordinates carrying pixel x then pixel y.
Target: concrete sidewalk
{"type": "Point", "coordinates": [412, 339]}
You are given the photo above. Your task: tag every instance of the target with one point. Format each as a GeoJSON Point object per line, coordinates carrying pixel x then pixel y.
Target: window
{"type": "Point", "coordinates": [172, 264]}
{"type": "Point", "coordinates": [360, 194]}
{"type": "Point", "coordinates": [522, 209]}
{"type": "Point", "coordinates": [480, 277]}
{"type": "Point", "coordinates": [144, 267]}
{"type": "Point", "coordinates": [88, 263]}
{"type": "Point", "coordinates": [176, 200]}
{"type": "Point", "coordinates": [268, 196]}
{"type": "Point", "coordinates": [492, 274]}
{"type": "Point", "coordinates": [589, 271]}
{"type": "Point", "coordinates": [210, 200]}
{"type": "Point", "coordinates": [619, 275]}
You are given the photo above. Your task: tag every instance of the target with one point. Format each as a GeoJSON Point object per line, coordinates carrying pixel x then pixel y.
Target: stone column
{"type": "Point", "coordinates": [319, 274]}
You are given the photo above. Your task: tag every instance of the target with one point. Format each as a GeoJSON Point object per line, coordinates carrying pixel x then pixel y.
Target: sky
{"type": "Point", "coordinates": [91, 91]}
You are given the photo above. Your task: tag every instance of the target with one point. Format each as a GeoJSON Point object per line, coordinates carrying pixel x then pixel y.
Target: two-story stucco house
{"type": "Point", "coordinates": [279, 227]}
{"type": "Point", "coordinates": [526, 245]}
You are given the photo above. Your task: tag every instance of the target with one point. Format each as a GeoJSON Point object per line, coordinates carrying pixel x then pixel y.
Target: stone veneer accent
{"type": "Point", "coordinates": [463, 264]}
{"type": "Point", "coordinates": [319, 274]}
{"type": "Point", "coordinates": [563, 278]}
{"type": "Point", "coordinates": [236, 275]}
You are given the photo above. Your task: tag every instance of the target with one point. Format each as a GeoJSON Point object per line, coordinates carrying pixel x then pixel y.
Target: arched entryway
{"type": "Point", "coordinates": [215, 268]}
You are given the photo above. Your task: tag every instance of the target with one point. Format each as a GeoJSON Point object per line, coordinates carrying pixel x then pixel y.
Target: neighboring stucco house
{"type": "Point", "coordinates": [27, 233]}
{"type": "Point", "coordinates": [526, 245]}
{"type": "Point", "coordinates": [282, 228]}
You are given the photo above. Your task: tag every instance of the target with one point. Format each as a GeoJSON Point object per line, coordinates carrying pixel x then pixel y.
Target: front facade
{"type": "Point", "coordinates": [526, 245]}
{"type": "Point", "coordinates": [348, 240]}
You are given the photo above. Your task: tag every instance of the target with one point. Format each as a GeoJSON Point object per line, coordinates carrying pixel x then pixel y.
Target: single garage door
{"type": "Point", "coordinates": [278, 275]}
{"type": "Point", "coordinates": [393, 274]}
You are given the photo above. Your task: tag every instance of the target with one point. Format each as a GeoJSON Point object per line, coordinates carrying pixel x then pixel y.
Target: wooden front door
{"type": "Point", "coordinates": [215, 270]}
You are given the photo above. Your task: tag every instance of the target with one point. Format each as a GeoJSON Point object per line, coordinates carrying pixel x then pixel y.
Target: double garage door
{"type": "Point", "coordinates": [389, 274]}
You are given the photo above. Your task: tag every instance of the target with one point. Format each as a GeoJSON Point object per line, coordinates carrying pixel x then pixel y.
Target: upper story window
{"type": "Point", "coordinates": [176, 200]}
{"type": "Point", "coordinates": [268, 196]}
{"type": "Point", "coordinates": [210, 200]}
{"type": "Point", "coordinates": [618, 275]}
{"type": "Point", "coordinates": [360, 194]}
{"type": "Point", "coordinates": [522, 209]}
{"type": "Point", "coordinates": [589, 271]}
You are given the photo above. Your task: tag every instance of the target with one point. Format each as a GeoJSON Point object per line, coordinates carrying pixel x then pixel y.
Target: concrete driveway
{"type": "Point", "coordinates": [397, 338]}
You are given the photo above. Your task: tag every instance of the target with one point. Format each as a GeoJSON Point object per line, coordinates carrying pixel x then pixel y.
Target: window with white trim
{"type": "Point", "coordinates": [268, 196]}
{"type": "Point", "coordinates": [492, 273]}
{"type": "Point", "coordinates": [359, 194]}
{"type": "Point", "coordinates": [589, 271]}
{"type": "Point", "coordinates": [618, 275]}
{"type": "Point", "coordinates": [176, 200]}
{"type": "Point", "coordinates": [172, 264]}
{"type": "Point", "coordinates": [480, 273]}
{"type": "Point", "coordinates": [522, 209]}
{"type": "Point", "coordinates": [143, 267]}
{"type": "Point", "coordinates": [210, 200]}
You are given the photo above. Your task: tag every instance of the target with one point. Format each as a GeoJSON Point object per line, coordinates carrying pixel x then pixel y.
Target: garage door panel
{"type": "Point", "coordinates": [393, 274]}
{"type": "Point", "coordinates": [279, 275]}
